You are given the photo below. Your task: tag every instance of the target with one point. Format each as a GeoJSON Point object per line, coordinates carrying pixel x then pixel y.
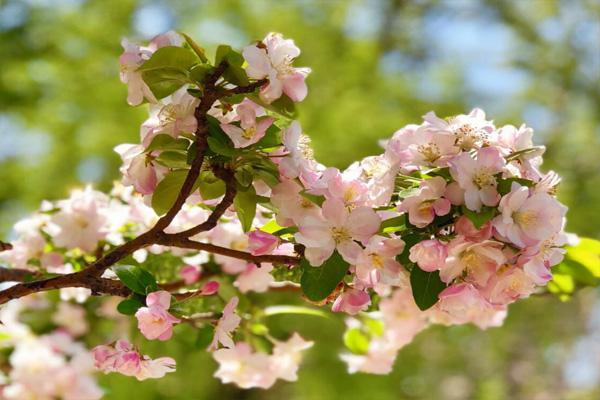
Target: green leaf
{"type": "Point", "coordinates": [319, 282]}
{"type": "Point", "coordinates": [169, 57]}
{"type": "Point", "coordinates": [136, 278]}
{"type": "Point", "coordinates": [300, 310]}
{"type": "Point", "coordinates": [479, 219]}
{"type": "Point", "coordinates": [173, 159]}
{"type": "Point", "coordinates": [218, 141]}
{"type": "Point", "coordinates": [272, 138]}
{"type": "Point", "coordinates": [199, 72]}
{"type": "Point", "coordinates": [197, 49]}
{"type": "Point", "coordinates": [129, 306]}
{"type": "Point", "coordinates": [504, 185]}
{"type": "Point", "coordinates": [587, 254]}
{"type": "Point", "coordinates": [394, 224]}
{"type": "Point", "coordinates": [283, 106]}
{"type": "Point", "coordinates": [245, 207]}
{"type": "Point", "coordinates": [167, 142]}
{"type": "Point", "coordinates": [164, 82]}
{"type": "Point", "coordinates": [205, 336]}
{"type": "Point", "coordinates": [410, 240]}
{"type": "Point", "coordinates": [244, 175]}
{"type": "Point", "coordinates": [221, 53]}
{"type": "Point", "coordinates": [356, 341]}
{"type": "Point", "coordinates": [167, 191]}
{"type": "Point", "coordinates": [426, 286]}
{"type": "Point", "coordinates": [210, 186]}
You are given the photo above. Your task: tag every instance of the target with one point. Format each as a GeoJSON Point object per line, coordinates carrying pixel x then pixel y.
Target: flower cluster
{"type": "Point", "coordinates": [222, 196]}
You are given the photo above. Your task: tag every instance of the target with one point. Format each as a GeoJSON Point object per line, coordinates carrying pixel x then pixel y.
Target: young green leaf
{"type": "Point", "coordinates": [197, 49]}
{"type": "Point", "coordinates": [245, 207]}
{"type": "Point", "coordinates": [167, 190]}
{"type": "Point", "coordinates": [129, 306]}
{"type": "Point", "coordinates": [167, 142]}
{"type": "Point", "coordinates": [210, 186]}
{"type": "Point", "coordinates": [319, 282]}
{"type": "Point", "coordinates": [136, 278]}
{"type": "Point", "coordinates": [426, 286]}
{"type": "Point", "coordinates": [480, 218]}
{"type": "Point", "coordinates": [356, 341]}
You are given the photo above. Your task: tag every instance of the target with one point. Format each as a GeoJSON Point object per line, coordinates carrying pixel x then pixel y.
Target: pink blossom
{"type": "Point", "coordinates": [287, 355]}
{"type": "Point", "coordinates": [479, 260]}
{"type": "Point", "coordinates": [427, 148]}
{"type": "Point", "coordinates": [528, 219]}
{"type": "Point", "coordinates": [247, 369]}
{"type": "Point", "coordinates": [154, 321]}
{"type": "Point", "coordinates": [299, 162]}
{"type": "Point", "coordinates": [430, 255]}
{"type": "Point", "coordinates": [228, 322]}
{"type": "Point", "coordinates": [467, 131]}
{"type": "Point", "coordinates": [82, 220]}
{"type": "Point", "coordinates": [351, 302]}
{"type": "Point", "coordinates": [463, 303]}
{"type": "Point", "coordinates": [508, 285]}
{"type": "Point", "coordinates": [273, 59]}
{"type": "Point", "coordinates": [260, 242]}
{"type": "Point", "coordinates": [377, 262]}
{"type": "Point", "coordinates": [464, 227]}
{"type": "Point", "coordinates": [292, 206]}
{"type": "Point", "coordinates": [253, 124]}
{"type": "Point", "coordinates": [337, 230]}
{"type": "Point", "coordinates": [427, 203]}
{"type": "Point", "coordinates": [255, 279]}
{"type": "Point", "coordinates": [138, 168]}
{"type": "Point", "coordinates": [476, 176]}
{"type": "Point", "coordinates": [190, 274]}
{"type": "Point", "coordinates": [538, 260]}
{"type": "Point", "coordinates": [123, 358]}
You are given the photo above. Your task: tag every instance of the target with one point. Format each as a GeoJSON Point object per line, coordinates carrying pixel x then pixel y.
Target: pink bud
{"type": "Point", "coordinates": [190, 274]}
{"type": "Point", "coordinates": [351, 302]}
{"type": "Point", "coordinates": [210, 288]}
{"type": "Point", "coordinates": [260, 243]}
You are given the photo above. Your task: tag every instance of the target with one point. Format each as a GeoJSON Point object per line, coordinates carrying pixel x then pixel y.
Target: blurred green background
{"type": "Point", "coordinates": [377, 65]}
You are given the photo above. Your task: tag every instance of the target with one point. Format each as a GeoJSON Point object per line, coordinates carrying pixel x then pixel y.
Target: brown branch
{"type": "Point", "coordinates": [16, 274]}
{"type": "Point", "coordinates": [91, 277]}
{"type": "Point", "coordinates": [184, 243]}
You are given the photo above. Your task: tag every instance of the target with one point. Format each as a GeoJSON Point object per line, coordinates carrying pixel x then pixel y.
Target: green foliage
{"type": "Point", "coordinates": [167, 70]}
{"type": "Point", "coordinates": [167, 190]}
{"type": "Point", "coordinates": [210, 186]}
{"type": "Point", "coordinates": [319, 282]}
{"type": "Point", "coordinates": [129, 306]}
{"type": "Point", "coordinates": [356, 341]}
{"type": "Point", "coordinates": [580, 267]}
{"type": "Point", "coordinates": [245, 206]}
{"type": "Point", "coordinates": [479, 218]}
{"type": "Point", "coordinates": [426, 286]}
{"type": "Point", "coordinates": [136, 278]}
{"type": "Point", "coordinates": [167, 142]}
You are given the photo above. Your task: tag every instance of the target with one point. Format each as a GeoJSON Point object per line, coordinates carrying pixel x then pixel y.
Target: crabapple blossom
{"type": "Point", "coordinates": [123, 358]}
{"type": "Point", "coordinates": [253, 124]}
{"type": "Point", "coordinates": [255, 279]}
{"type": "Point", "coordinates": [260, 242]}
{"type": "Point", "coordinates": [247, 369]}
{"type": "Point", "coordinates": [477, 176]}
{"type": "Point", "coordinates": [351, 302]}
{"type": "Point", "coordinates": [228, 322]}
{"type": "Point", "coordinates": [287, 355]}
{"type": "Point", "coordinates": [154, 321]}
{"type": "Point", "coordinates": [138, 168]}
{"type": "Point", "coordinates": [429, 255]}
{"type": "Point", "coordinates": [272, 58]}
{"type": "Point", "coordinates": [469, 131]}
{"type": "Point", "coordinates": [527, 219]}
{"type": "Point", "coordinates": [337, 230]}
{"type": "Point", "coordinates": [479, 260]}
{"type": "Point", "coordinates": [377, 262]}
{"type": "Point", "coordinates": [424, 206]}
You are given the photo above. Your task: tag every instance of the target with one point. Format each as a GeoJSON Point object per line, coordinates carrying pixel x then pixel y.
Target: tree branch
{"type": "Point", "coordinates": [91, 277]}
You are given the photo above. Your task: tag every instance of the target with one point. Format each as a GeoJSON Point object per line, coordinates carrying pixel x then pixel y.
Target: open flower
{"type": "Point", "coordinates": [337, 230]}
{"type": "Point", "coordinates": [138, 168]}
{"type": "Point", "coordinates": [272, 58]}
{"type": "Point", "coordinates": [476, 176]}
{"type": "Point", "coordinates": [228, 322]}
{"type": "Point", "coordinates": [424, 206]}
{"type": "Point", "coordinates": [154, 321]}
{"type": "Point", "coordinates": [377, 262]}
{"type": "Point", "coordinates": [244, 367]}
{"type": "Point", "coordinates": [124, 359]}
{"type": "Point", "coordinates": [528, 219]}
{"type": "Point", "coordinates": [479, 260]}
{"type": "Point", "coordinates": [287, 355]}
{"type": "Point", "coordinates": [430, 255]}
{"type": "Point", "coordinates": [253, 124]}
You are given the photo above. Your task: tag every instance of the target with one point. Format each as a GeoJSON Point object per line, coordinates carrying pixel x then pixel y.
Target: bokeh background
{"type": "Point", "coordinates": [377, 65]}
